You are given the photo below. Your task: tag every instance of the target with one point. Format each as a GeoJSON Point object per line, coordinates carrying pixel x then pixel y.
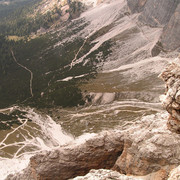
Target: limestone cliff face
{"type": "Point", "coordinates": [160, 13]}
{"type": "Point", "coordinates": [170, 38]}
{"type": "Point", "coordinates": [171, 99]}
{"type": "Point", "coordinates": [154, 12]}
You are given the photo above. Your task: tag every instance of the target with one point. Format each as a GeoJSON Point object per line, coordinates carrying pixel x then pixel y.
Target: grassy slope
{"type": "Point", "coordinates": [40, 56]}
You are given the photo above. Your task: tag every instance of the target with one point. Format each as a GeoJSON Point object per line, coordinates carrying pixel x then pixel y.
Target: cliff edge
{"type": "Point", "coordinates": [171, 99]}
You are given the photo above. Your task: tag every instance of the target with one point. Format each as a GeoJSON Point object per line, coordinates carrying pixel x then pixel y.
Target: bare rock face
{"type": "Point", "coordinates": [158, 12]}
{"type": "Point", "coordinates": [145, 147]}
{"type": "Point", "coordinates": [74, 160]}
{"type": "Point", "coordinates": [136, 6]}
{"type": "Point", "coordinates": [171, 99]}
{"type": "Point", "coordinates": [170, 38]}
{"type": "Point", "coordinates": [149, 147]}
{"type": "Point", "coordinates": [154, 12]}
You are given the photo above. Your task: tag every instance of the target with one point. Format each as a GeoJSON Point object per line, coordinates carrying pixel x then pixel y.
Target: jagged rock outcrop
{"type": "Point", "coordinates": [74, 160]}
{"type": "Point", "coordinates": [149, 147]}
{"type": "Point", "coordinates": [141, 148]}
{"type": "Point", "coordinates": [171, 99]}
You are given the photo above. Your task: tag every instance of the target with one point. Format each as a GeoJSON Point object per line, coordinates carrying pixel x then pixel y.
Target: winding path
{"type": "Point", "coordinates": [31, 79]}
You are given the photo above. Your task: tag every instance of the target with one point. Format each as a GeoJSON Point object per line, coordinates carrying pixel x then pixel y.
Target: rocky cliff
{"type": "Point", "coordinates": [170, 37]}
{"type": "Point", "coordinates": [171, 99]}
{"type": "Point", "coordinates": [139, 149]}
{"type": "Point", "coordinates": [154, 12]}
{"type": "Point", "coordinates": [160, 13]}
{"type": "Point", "coordinates": [147, 147]}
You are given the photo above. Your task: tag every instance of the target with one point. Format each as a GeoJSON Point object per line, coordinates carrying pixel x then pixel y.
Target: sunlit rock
{"type": "Point", "coordinates": [175, 174]}
{"type": "Point", "coordinates": [105, 174]}
{"type": "Point", "coordinates": [148, 147]}
{"type": "Point", "coordinates": [139, 149]}
{"type": "Point", "coordinates": [171, 99]}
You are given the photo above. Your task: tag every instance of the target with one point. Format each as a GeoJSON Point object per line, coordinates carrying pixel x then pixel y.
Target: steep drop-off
{"type": "Point", "coordinates": [107, 67]}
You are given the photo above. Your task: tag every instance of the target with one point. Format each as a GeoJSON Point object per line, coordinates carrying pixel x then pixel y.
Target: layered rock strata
{"type": "Point", "coordinates": [171, 99]}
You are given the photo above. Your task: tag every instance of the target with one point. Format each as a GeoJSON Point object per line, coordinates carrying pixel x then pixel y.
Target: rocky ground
{"type": "Point", "coordinates": [148, 149]}
{"type": "Point", "coordinates": [145, 148]}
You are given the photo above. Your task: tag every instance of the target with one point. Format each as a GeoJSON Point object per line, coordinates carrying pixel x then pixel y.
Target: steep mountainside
{"type": "Point", "coordinates": [73, 67]}
{"type": "Point", "coordinates": [66, 45]}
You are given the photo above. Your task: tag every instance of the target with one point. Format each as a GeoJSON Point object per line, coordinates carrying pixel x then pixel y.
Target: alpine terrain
{"type": "Point", "coordinates": [80, 82]}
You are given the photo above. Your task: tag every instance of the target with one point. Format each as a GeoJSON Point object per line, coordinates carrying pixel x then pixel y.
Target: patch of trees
{"type": "Point", "coordinates": [21, 21]}
{"type": "Point", "coordinates": [5, 56]}
{"type": "Point", "coordinates": [17, 19]}
{"type": "Point", "coordinates": [75, 8]}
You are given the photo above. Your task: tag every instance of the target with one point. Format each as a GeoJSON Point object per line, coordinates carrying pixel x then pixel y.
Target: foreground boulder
{"type": "Point", "coordinates": [70, 161]}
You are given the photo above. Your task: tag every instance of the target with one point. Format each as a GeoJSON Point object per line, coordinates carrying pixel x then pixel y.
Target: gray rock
{"type": "Point", "coordinates": [154, 12]}
{"type": "Point", "coordinates": [104, 174]}
{"type": "Point", "coordinates": [136, 6]}
{"type": "Point", "coordinates": [170, 38]}
{"type": "Point", "coordinates": [73, 160]}
{"type": "Point", "coordinates": [158, 12]}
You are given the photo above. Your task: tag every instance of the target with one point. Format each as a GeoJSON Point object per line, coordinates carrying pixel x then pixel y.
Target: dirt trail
{"type": "Point", "coordinates": [31, 79]}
